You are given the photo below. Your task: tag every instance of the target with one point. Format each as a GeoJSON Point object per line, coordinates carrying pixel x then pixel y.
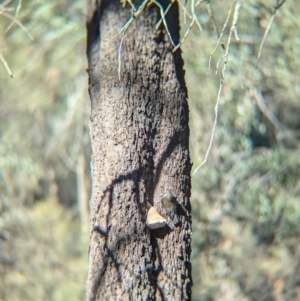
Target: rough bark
{"type": "Point", "coordinates": [139, 131]}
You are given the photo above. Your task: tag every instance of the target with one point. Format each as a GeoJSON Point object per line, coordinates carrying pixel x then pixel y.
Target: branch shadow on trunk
{"type": "Point", "coordinates": [136, 176]}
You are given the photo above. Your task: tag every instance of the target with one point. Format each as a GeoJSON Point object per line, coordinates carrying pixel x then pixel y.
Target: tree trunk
{"type": "Point", "coordinates": [140, 137]}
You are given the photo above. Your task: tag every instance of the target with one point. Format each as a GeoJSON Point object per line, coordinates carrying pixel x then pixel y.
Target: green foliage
{"type": "Point", "coordinates": [43, 124]}
{"type": "Point", "coordinates": [245, 208]}
{"type": "Point", "coordinates": [44, 250]}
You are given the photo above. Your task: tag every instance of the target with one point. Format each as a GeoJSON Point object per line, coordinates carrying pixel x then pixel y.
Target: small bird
{"type": "Point", "coordinates": [169, 203]}
{"type": "Point", "coordinates": [155, 220]}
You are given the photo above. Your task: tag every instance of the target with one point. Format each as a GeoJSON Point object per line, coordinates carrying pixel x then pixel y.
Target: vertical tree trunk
{"type": "Point", "coordinates": [82, 195]}
{"type": "Point", "coordinates": [140, 136]}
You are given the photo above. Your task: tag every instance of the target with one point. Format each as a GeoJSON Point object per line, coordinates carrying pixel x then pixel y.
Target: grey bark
{"type": "Point", "coordinates": [140, 135]}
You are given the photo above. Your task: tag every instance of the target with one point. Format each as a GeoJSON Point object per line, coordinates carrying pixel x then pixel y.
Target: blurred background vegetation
{"type": "Point", "coordinates": [246, 208]}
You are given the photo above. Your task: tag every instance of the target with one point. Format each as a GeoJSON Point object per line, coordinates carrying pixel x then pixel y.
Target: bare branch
{"type": "Point", "coordinates": [16, 15]}
{"type": "Point", "coordinates": [222, 32]}
{"type": "Point", "coordinates": [9, 16]}
{"type": "Point", "coordinates": [5, 64]}
{"type": "Point", "coordinates": [213, 20]}
{"type": "Point", "coordinates": [194, 19]}
{"type": "Point", "coordinates": [162, 13]}
{"type": "Point", "coordinates": [232, 31]}
{"type": "Point", "coordinates": [257, 95]}
{"type": "Point", "coordinates": [213, 130]}
{"type": "Point", "coordinates": [278, 5]}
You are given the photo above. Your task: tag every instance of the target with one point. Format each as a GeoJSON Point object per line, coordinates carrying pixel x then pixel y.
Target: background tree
{"type": "Point", "coordinates": [139, 131]}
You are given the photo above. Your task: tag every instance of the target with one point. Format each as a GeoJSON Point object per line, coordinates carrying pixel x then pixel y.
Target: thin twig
{"type": "Point", "coordinates": [268, 29]}
{"type": "Point", "coordinates": [4, 4]}
{"type": "Point", "coordinates": [212, 18]}
{"type": "Point", "coordinates": [232, 31]}
{"type": "Point", "coordinates": [119, 57]}
{"type": "Point", "coordinates": [186, 13]}
{"type": "Point", "coordinates": [194, 19]}
{"type": "Point", "coordinates": [257, 95]}
{"type": "Point", "coordinates": [164, 15]}
{"type": "Point", "coordinates": [9, 16]}
{"type": "Point", "coordinates": [213, 129]}
{"type": "Point", "coordinates": [134, 14]}
{"type": "Point", "coordinates": [163, 19]}
{"type": "Point", "coordinates": [16, 15]}
{"type": "Point", "coordinates": [2, 59]}
{"type": "Point", "coordinates": [222, 32]}
{"type": "Point", "coordinates": [129, 2]}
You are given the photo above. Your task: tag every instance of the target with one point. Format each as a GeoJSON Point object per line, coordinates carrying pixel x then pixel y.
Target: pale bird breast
{"type": "Point", "coordinates": [154, 219]}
